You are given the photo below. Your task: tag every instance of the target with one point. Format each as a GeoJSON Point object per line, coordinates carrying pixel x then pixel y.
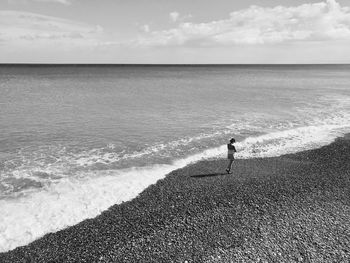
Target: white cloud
{"type": "Point", "coordinates": [145, 28]}
{"type": "Point", "coordinates": [24, 27]}
{"type": "Point", "coordinates": [65, 2]}
{"type": "Point", "coordinates": [259, 25]}
{"type": "Point", "coordinates": [174, 16]}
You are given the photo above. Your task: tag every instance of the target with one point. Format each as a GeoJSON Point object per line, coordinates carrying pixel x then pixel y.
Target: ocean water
{"type": "Point", "coordinates": [75, 140]}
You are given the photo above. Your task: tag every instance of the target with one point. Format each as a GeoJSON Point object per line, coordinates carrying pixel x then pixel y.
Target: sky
{"type": "Point", "coordinates": [175, 32]}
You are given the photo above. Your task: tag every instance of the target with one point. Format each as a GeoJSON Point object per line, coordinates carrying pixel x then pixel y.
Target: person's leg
{"type": "Point", "coordinates": [229, 165]}
{"type": "Point", "coordinates": [231, 162]}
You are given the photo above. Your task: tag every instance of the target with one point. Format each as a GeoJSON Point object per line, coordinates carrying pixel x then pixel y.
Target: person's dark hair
{"type": "Point", "coordinates": [232, 140]}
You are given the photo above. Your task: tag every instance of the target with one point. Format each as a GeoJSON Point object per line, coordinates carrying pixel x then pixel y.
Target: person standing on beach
{"type": "Point", "coordinates": [230, 154]}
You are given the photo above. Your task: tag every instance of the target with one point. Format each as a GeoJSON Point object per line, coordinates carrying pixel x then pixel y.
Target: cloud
{"type": "Point", "coordinates": [324, 21]}
{"type": "Point", "coordinates": [64, 2]}
{"type": "Point", "coordinates": [145, 28]}
{"type": "Point", "coordinates": [174, 16]}
{"type": "Point", "coordinates": [24, 27]}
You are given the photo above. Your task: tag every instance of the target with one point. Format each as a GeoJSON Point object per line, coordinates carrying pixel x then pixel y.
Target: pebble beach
{"type": "Point", "coordinates": [293, 208]}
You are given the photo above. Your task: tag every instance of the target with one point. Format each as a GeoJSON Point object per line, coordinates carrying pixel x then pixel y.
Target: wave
{"type": "Point", "coordinates": [86, 195]}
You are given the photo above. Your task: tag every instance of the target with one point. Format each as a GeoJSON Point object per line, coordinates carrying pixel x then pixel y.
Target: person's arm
{"type": "Point", "coordinates": [231, 147]}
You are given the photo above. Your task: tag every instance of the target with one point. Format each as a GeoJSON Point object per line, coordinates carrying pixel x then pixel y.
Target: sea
{"type": "Point", "coordinates": [77, 139]}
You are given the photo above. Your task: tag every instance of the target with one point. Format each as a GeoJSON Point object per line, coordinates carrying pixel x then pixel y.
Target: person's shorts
{"type": "Point", "coordinates": [230, 156]}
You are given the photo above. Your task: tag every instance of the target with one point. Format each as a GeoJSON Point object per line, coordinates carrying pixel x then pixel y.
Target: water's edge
{"type": "Point", "coordinates": [123, 196]}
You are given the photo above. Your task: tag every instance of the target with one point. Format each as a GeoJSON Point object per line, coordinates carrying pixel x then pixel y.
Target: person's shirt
{"type": "Point", "coordinates": [231, 149]}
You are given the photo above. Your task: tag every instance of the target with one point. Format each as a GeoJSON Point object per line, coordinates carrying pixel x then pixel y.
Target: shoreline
{"type": "Point", "coordinates": [288, 208]}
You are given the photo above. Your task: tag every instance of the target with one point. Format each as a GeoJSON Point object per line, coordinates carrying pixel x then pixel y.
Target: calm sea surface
{"type": "Point", "coordinates": [76, 139]}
